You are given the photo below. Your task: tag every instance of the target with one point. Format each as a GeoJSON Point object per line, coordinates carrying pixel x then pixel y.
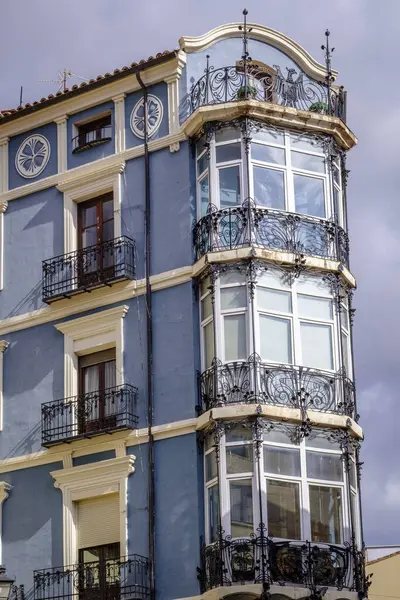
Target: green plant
{"type": "Point", "coordinates": [247, 91]}
{"type": "Point", "coordinates": [319, 107]}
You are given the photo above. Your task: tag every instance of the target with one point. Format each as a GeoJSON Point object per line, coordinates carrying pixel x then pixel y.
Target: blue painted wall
{"type": "Point", "coordinates": [133, 207]}
{"type": "Point", "coordinates": [33, 231]}
{"type": "Point", "coordinates": [93, 458]}
{"type": "Point", "coordinates": [32, 523]}
{"type": "Point", "coordinates": [97, 152]}
{"type": "Point", "coordinates": [161, 91]}
{"type": "Point", "coordinates": [137, 502]}
{"type": "Point", "coordinates": [135, 354]}
{"type": "Point", "coordinates": [50, 132]}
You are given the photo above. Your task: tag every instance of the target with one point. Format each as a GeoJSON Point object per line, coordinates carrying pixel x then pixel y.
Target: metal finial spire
{"type": "Point", "coordinates": [328, 60]}
{"type": "Point", "coordinates": [245, 37]}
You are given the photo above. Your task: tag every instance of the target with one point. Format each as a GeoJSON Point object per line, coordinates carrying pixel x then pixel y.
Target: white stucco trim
{"type": "Point", "coordinates": [263, 34]}
{"type": "Point", "coordinates": [119, 123]}
{"type": "Point", "coordinates": [88, 481]}
{"type": "Point", "coordinates": [62, 143]}
{"type": "Point", "coordinates": [89, 185]}
{"type": "Point", "coordinates": [3, 203]}
{"type": "Point", "coordinates": [173, 100]}
{"type": "Point", "coordinates": [91, 334]}
{"type": "Point", "coordinates": [4, 493]}
{"type": "Point", "coordinates": [3, 347]}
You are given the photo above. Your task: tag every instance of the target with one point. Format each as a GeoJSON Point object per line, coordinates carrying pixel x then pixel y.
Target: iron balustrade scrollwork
{"type": "Point", "coordinates": [252, 381]}
{"type": "Point", "coordinates": [251, 225]}
{"type": "Point", "coordinates": [87, 415]}
{"type": "Point", "coordinates": [235, 83]}
{"type": "Point", "coordinates": [259, 559]}
{"type": "Point", "coordinates": [113, 579]}
{"type": "Point", "coordinates": [88, 139]}
{"type": "Point", "coordinates": [93, 266]}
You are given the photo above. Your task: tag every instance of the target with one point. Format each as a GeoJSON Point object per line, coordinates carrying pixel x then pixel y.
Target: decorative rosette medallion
{"type": "Point", "coordinates": [154, 116]}
{"type": "Point", "coordinates": [32, 156]}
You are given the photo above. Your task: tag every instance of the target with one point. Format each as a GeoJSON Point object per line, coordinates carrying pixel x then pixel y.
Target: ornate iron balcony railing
{"type": "Point", "coordinates": [252, 381]}
{"type": "Point", "coordinates": [258, 559]}
{"type": "Point", "coordinates": [114, 579]}
{"type": "Point", "coordinates": [250, 225]}
{"type": "Point", "coordinates": [87, 415]}
{"type": "Point", "coordinates": [88, 139]}
{"type": "Point", "coordinates": [229, 84]}
{"type": "Point", "coordinates": [90, 267]}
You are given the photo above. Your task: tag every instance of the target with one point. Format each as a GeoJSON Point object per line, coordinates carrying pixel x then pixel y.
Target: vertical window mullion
{"type": "Point", "coordinates": [225, 508]}
{"type": "Point", "coordinates": [218, 321]}
{"type": "Point", "coordinates": [290, 204]}
{"type": "Point", "coordinates": [297, 354]}
{"type": "Point", "coordinates": [305, 495]}
{"type": "Point", "coordinates": [213, 175]}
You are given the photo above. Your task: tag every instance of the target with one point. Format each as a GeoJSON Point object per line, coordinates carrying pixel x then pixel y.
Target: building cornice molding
{"type": "Point", "coordinates": [94, 475]}
{"type": "Point", "coordinates": [263, 34]}
{"type": "Point", "coordinates": [96, 324]}
{"type": "Point", "coordinates": [3, 345]}
{"type": "Point", "coordinates": [89, 176]}
{"type": "Point", "coordinates": [5, 489]}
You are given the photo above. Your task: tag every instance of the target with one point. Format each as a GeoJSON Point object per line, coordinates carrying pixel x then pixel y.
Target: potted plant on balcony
{"type": "Point", "coordinates": [246, 91]}
{"type": "Point", "coordinates": [319, 107]}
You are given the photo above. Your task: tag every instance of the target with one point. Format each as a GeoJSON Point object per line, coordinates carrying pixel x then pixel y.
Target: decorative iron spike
{"type": "Point", "coordinates": [328, 77]}
{"type": "Point", "coordinates": [246, 30]}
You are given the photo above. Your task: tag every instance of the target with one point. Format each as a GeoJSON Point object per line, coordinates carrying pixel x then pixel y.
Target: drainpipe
{"type": "Point", "coordinates": [151, 486]}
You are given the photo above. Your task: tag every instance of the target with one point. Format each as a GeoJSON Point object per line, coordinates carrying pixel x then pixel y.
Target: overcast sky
{"type": "Point", "coordinates": [91, 37]}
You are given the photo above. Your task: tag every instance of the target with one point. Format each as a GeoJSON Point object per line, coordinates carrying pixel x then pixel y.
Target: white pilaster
{"type": "Point", "coordinates": [173, 100]}
{"type": "Point", "coordinates": [62, 143]}
{"type": "Point", "coordinates": [3, 347]}
{"type": "Point", "coordinates": [4, 493]}
{"type": "Point", "coordinates": [119, 123]}
{"type": "Point", "coordinates": [4, 164]}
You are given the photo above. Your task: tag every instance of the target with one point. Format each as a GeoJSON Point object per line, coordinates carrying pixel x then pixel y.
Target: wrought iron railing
{"type": "Point", "coordinates": [93, 266]}
{"type": "Point", "coordinates": [251, 225]}
{"type": "Point", "coordinates": [228, 84]}
{"type": "Point", "coordinates": [114, 579]}
{"type": "Point", "coordinates": [259, 559]}
{"type": "Point", "coordinates": [90, 414]}
{"type": "Point", "coordinates": [88, 139]}
{"type": "Point", "coordinates": [253, 381]}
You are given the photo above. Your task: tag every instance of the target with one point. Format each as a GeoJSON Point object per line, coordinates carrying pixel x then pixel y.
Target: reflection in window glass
{"type": "Point", "coordinates": [345, 348]}
{"type": "Point", "coordinates": [229, 186]}
{"type": "Point", "coordinates": [213, 512]}
{"type": "Point", "coordinates": [316, 345]}
{"type": "Point", "coordinates": [235, 337]}
{"type": "Point", "coordinates": [208, 344]}
{"type": "Point", "coordinates": [268, 154]}
{"type": "Point", "coordinates": [304, 143]}
{"type": "Point", "coordinates": [239, 459]}
{"type": "Point", "coordinates": [206, 307]}
{"type": "Point", "coordinates": [269, 136]}
{"type": "Point", "coordinates": [308, 162]}
{"type": "Point", "coordinates": [274, 300]}
{"type": "Point", "coordinates": [269, 188]}
{"type": "Point", "coordinates": [326, 514]}
{"type": "Point", "coordinates": [283, 509]}
{"type": "Point", "coordinates": [211, 466]}
{"type": "Point", "coordinates": [202, 164]}
{"type": "Point", "coordinates": [241, 508]}
{"type": "Point", "coordinates": [275, 343]}
{"type": "Point", "coordinates": [315, 308]}
{"type": "Point", "coordinates": [324, 466]}
{"type": "Point", "coordinates": [233, 297]}
{"type": "Point", "coordinates": [282, 461]}
{"type": "Point", "coordinates": [229, 152]}
{"type": "Point", "coordinates": [204, 195]}
{"type": "Point", "coordinates": [309, 195]}
{"type": "Point", "coordinates": [239, 434]}
{"type": "Point", "coordinates": [226, 135]}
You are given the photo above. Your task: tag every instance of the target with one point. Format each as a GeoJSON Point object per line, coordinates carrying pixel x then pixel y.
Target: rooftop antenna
{"type": "Point", "coordinates": [62, 79]}
{"type": "Point", "coordinates": [246, 58]}
{"type": "Point", "coordinates": [328, 60]}
{"type": "Point", "coordinates": [20, 96]}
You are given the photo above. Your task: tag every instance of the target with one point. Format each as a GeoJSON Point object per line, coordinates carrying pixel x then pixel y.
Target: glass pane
{"type": "Point", "coordinates": [304, 143]}
{"type": "Point", "coordinates": [268, 154]}
{"type": "Point", "coordinates": [200, 145]}
{"type": "Point", "coordinates": [235, 337]}
{"type": "Point", "coordinates": [206, 307]}
{"type": "Point", "coordinates": [204, 197]}
{"type": "Point", "coordinates": [108, 210]}
{"type": "Point", "coordinates": [336, 174]}
{"type": "Point", "coordinates": [202, 164]}
{"type": "Point", "coordinates": [283, 508]}
{"type": "Point", "coordinates": [315, 308]}
{"type": "Point", "coordinates": [241, 508]}
{"type": "Point", "coordinates": [205, 284]}
{"type": "Point", "coordinates": [277, 435]}
{"type": "Point", "coordinates": [89, 237]}
{"type": "Point", "coordinates": [269, 188]}
{"type": "Point", "coordinates": [91, 379]}
{"type": "Point", "coordinates": [352, 474]}
{"type": "Point", "coordinates": [274, 300]}
{"type": "Point", "coordinates": [108, 233]}
{"type": "Point", "coordinates": [213, 513]}
{"type": "Point", "coordinates": [225, 135]}
{"type": "Point", "coordinates": [326, 514]}
{"type": "Point", "coordinates": [316, 345]}
{"type": "Point", "coordinates": [345, 317]}
{"type": "Point", "coordinates": [89, 216]}
{"type": "Point", "coordinates": [239, 434]}
{"type": "Point", "coordinates": [211, 466]}
{"type": "Point", "coordinates": [275, 342]}
{"type": "Point", "coordinates": [228, 152]}
{"type": "Point", "coordinates": [231, 278]}
{"type": "Point", "coordinates": [309, 195]}
{"type": "Point", "coordinates": [233, 297]}
{"type": "Point", "coordinates": [320, 440]}
{"type": "Point", "coordinates": [345, 348]}
{"type": "Point", "coordinates": [208, 332]}
{"type": "Point", "coordinates": [110, 374]}
{"type": "Point", "coordinates": [239, 459]}
{"type": "Point", "coordinates": [282, 461]}
{"type": "Point", "coordinates": [229, 187]}
{"type": "Point", "coordinates": [308, 162]}
{"type": "Point", "coordinates": [324, 466]}
{"type": "Point", "coordinates": [269, 136]}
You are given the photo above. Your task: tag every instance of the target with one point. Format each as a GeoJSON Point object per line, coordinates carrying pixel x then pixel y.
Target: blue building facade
{"type": "Point", "coordinates": [177, 408]}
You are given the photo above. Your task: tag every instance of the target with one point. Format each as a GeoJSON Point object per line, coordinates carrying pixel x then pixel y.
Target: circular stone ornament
{"type": "Point", "coordinates": [154, 116]}
{"type": "Point", "coordinates": [32, 156]}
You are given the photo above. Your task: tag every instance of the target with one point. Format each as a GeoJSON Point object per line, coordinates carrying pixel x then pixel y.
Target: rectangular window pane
{"type": "Point", "coordinates": [239, 434]}
{"type": "Point", "coordinates": [241, 508]}
{"type": "Point", "coordinates": [326, 514]}
{"type": "Point", "coordinates": [274, 300]}
{"type": "Point", "coordinates": [201, 145]}
{"type": "Point", "coordinates": [276, 339]}
{"type": "Point", "coordinates": [225, 135]}
{"type": "Point", "coordinates": [213, 512]}
{"type": "Point", "coordinates": [211, 466]}
{"type": "Point", "coordinates": [239, 459]}
{"type": "Point", "coordinates": [324, 466]}
{"type": "Point", "coordinates": [204, 197]}
{"type": "Point", "coordinates": [283, 509]}
{"type": "Point", "coordinates": [268, 154]}
{"type": "Point", "coordinates": [233, 297]}
{"type": "Point", "coordinates": [315, 308]}
{"type": "Point", "coordinates": [304, 143]}
{"type": "Point", "coordinates": [208, 340]}
{"type": "Point", "coordinates": [269, 136]}
{"type": "Point", "coordinates": [308, 162]}
{"type": "Point", "coordinates": [282, 461]}
{"type": "Point", "coordinates": [345, 348]}
{"type": "Point", "coordinates": [269, 188]}
{"type": "Point", "coordinates": [202, 164]}
{"type": "Point", "coordinates": [206, 307]}
{"type": "Point", "coordinates": [309, 195]}
{"type": "Point", "coordinates": [316, 345]}
{"type": "Point", "coordinates": [235, 337]}
{"type": "Point", "coordinates": [229, 186]}
{"type": "Point", "coordinates": [352, 474]}
{"type": "Point", "coordinates": [228, 152]}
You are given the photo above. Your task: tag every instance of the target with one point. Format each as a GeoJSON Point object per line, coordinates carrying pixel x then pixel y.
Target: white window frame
{"type": "Point", "coordinates": [88, 481]}
{"type": "Point", "coordinates": [3, 347]}
{"type": "Point", "coordinates": [5, 489]}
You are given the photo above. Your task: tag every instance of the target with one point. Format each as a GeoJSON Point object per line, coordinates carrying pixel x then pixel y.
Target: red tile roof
{"type": "Point", "coordinates": [11, 114]}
